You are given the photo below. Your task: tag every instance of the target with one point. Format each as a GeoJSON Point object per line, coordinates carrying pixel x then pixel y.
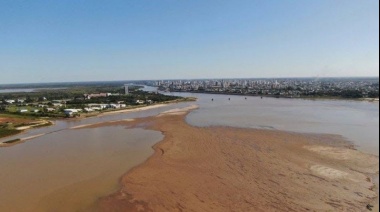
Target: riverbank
{"type": "Point", "coordinates": [148, 107]}
{"type": "Point", "coordinates": [11, 125]}
{"type": "Point", "coordinates": [234, 169]}
{"type": "Point", "coordinates": [283, 97]}
{"type": "Point", "coordinates": [134, 108]}
{"type": "Point", "coordinates": [44, 123]}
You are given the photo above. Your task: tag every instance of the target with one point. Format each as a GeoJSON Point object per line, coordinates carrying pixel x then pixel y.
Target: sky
{"type": "Point", "coordinates": [101, 40]}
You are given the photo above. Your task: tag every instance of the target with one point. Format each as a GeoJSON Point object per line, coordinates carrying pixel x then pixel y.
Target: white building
{"type": "Point", "coordinates": [117, 106]}
{"type": "Point", "coordinates": [50, 109]}
{"type": "Point", "coordinates": [10, 101]}
{"type": "Point", "coordinates": [57, 104]}
{"type": "Point", "coordinates": [71, 112]}
{"type": "Point", "coordinates": [114, 106]}
{"type": "Point", "coordinates": [100, 106]}
{"type": "Point", "coordinates": [88, 109]}
{"type": "Point", "coordinates": [139, 102]}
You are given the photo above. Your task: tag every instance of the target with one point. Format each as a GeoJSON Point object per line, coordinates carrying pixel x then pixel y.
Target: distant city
{"type": "Point", "coordinates": [290, 88]}
{"type": "Point", "coordinates": [274, 87]}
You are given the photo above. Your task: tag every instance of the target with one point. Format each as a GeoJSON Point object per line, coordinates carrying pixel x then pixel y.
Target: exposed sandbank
{"type": "Point", "coordinates": [232, 169]}
{"type": "Point", "coordinates": [129, 110]}
{"type": "Point", "coordinates": [143, 108]}
{"type": "Point", "coordinates": [134, 109]}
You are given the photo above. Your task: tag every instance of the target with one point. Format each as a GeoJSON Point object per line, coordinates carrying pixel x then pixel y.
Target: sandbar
{"type": "Point", "coordinates": [236, 169]}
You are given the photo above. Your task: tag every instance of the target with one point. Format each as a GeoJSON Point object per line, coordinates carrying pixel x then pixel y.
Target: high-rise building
{"type": "Point", "coordinates": [126, 89]}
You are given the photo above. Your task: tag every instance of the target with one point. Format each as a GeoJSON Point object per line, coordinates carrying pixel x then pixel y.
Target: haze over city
{"type": "Point", "coordinates": [58, 41]}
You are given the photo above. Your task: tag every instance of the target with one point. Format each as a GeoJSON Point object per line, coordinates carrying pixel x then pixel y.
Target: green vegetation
{"type": "Point", "coordinates": [127, 99]}
{"type": "Point", "coordinates": [10, 124]}
{"type": "Point", "coordinates": [12, 141]}
{"type": "Point", "coordinates": [15, 116]}
{"type": "Point", "coordinates": [24, 110]}
{"type": "Point", "coordinates": [89, 100]}
{"type": "Point", "coordinates": [67, 93]}
{"type": "Point", "coordinates": [345, 94]}
{"type": "Point", "coordinates": [15, 109]}
{"type": "Point", "coordinates": [4, 132]}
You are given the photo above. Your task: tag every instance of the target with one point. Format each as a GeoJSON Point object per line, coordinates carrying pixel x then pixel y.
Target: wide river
{"type": "Point", "coordinates": [68, 169]}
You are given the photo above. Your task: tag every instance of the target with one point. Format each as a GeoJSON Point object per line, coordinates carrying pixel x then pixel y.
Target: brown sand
{"type": "Point", "coordinates": [15, 120]}
{"type": "Point", "coordinates": [231, 169]}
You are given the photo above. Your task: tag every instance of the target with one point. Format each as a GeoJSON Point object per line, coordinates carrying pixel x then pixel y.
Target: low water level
{"type": "Point", "coordinates": [356, 121]}
{"type": "Point", "coordinates": [69, 170]}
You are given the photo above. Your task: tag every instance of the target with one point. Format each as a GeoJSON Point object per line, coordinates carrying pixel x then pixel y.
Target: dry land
{"type": "Point", "coordinates": [14, 124]}
{"type": "Point", "coordinates": [232, 169]}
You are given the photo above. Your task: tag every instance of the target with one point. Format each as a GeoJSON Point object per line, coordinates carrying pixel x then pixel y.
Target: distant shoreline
{"type": "Point", "coordinates": [279, 97]}
{"type": "Point", "coordinates": [76, 83]}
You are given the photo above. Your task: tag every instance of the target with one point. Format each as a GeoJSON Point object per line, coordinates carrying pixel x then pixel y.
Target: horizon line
{"type": "Point", "coordinates": [163, 79]}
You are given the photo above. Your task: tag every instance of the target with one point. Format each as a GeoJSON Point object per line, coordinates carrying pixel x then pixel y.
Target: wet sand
{"type": "Point", "coordinates": [234, 169]}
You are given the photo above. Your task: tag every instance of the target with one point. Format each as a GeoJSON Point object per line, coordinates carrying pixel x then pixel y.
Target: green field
{"type": "Point", "coordinates": [4, 132]}
{"type": "Point", "coordinates": [12, 141]}
{"type": "Point", "coordinates": [14, 109]}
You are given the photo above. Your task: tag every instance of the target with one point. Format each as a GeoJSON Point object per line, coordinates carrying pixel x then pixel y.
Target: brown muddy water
{"type": "Point", "coordinates": [70, 169]}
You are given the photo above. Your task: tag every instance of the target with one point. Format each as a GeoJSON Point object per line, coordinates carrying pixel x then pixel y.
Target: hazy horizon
{"type": "Point", "coordinates": [241, 78]}
{"type": "Point", "coordinates": [79, 41]}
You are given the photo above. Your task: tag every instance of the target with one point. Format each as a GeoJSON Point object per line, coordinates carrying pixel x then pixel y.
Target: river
{"type": "Point", "coordinates": [76, 166]}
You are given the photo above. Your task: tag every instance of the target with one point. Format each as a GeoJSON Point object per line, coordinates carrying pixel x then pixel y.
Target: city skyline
{"type": "Point", "coordinates": [92, 41]}
{"type": "Point", "coordinates": [191, 79]}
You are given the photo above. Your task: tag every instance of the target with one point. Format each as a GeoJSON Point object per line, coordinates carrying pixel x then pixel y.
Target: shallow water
{"type": "Point", "coordinates": [69, 170]}
{"type": "Point", "coordinates": [357, 121]}
{"type": "Point", "coordinates": [64, 124]}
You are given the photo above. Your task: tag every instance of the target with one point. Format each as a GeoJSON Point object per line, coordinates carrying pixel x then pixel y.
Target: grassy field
{"type": "Point", "coordinates": [4, 132]}
{"type": "Point", "coordinates": [16, 118]}
{"type": "Point", "coordinates": [14, 108]}
{"type": "Point", "coordinates": [8, 123]}
{"type": "Point", "coordinates": [12, 141]}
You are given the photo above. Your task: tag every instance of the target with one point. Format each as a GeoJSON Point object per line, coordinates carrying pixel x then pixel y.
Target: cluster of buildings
{"type": "Point", "coordinates": [100, 107]}
{"type": "Point", "coordinates": [14, 101]}
{"type": "Point", "coordinates": [98, 95]}
{"type": "Point", "coordinates": [296, 87]}
{"type": "Point", "coordinates": [75, 104]}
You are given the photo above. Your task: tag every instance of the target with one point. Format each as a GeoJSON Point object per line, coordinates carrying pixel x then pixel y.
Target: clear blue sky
{"type": "Point", "coordinates": [90, 40]}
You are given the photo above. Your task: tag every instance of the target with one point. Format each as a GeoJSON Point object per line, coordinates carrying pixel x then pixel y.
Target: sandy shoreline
{"type": "Point", "coordinates": [232, 169]}
{"type": "Point", "coordinates": [134, 109]}
{"type": "Point", "coordinates": [143, 108]}
{"type": "Point", "coordinates": [130, 110]}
